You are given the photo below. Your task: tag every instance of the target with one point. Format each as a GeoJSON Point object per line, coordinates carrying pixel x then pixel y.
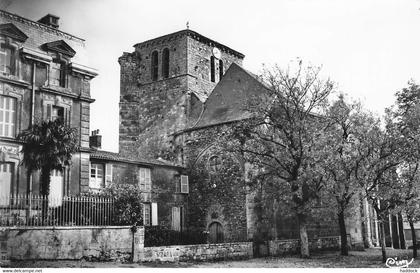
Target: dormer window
{"type": "Point", "coordinates": [7, 60]}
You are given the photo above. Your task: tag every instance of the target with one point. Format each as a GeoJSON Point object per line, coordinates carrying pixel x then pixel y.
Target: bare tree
{"type": "Point", "coordinates": [348, 124]}
{"type": "Point", "coordinates": [279, 138]}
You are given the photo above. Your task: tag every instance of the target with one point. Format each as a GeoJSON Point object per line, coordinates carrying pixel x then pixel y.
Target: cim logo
{"type": "Point", "coordinates": [395, 263]}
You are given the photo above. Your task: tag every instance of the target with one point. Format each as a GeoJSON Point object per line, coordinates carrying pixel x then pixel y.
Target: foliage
{"type": "Point", "coordinates": [48, 146]}
{"type": "Point", "coordinates": [128, 204]}
{"type": "Point", "coordinates": [338, 147]}
{"type": "Point", "coordinates": [278, 141]}
{"type": "Point", "coordinates": [406, 116]}
{"type": "Point", "coordinates": [49, 143]}
{"type": "Point", "coordinates": [161, 236]}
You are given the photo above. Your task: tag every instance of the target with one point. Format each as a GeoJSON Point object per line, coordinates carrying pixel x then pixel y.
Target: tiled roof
{"type": "Point", "coordinates": [110, 156]}
{"type": "Point", "coordinates": [228, 100]}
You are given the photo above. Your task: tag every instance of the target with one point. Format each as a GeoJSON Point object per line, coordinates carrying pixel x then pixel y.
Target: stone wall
{"type": "Point", "coordinates": [204, 252]}
{"type": "Point", "coordinates": [74, 243]}
{"type": "Point", "coordinates": [281, 247]}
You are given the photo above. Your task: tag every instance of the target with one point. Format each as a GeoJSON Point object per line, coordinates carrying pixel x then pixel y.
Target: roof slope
{"type": "Point", "coordinates": [228, 99]}
{"type": "Point", "coordinates": [110, 156]}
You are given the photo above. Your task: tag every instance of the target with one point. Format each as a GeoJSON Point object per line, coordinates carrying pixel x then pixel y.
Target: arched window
{"type": "Point", "coordinates": [165, 63]}
{"type": "Point", "coordinates": [220, 69]}
{"type": "Point", "coordinates": [212, 69]}
{"type": "Point", "coordinates": [155, 66]}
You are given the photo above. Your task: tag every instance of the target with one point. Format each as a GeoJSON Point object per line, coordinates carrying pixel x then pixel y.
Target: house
{"type": "Point", "coordinates": [164, 185]}
{"type": "Point", "coordinates": [43, 76]}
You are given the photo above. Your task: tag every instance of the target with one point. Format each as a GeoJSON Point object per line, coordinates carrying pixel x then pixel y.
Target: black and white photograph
{"type": "Point", "coordinates": [159, 135]}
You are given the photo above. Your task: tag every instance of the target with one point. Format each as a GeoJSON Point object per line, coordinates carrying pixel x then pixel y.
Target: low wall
{"type": "Point", "coordinates": [202, 252]}
{"type": "Point", "coordinates": [74, 243]}
{"type": "Point", "coordinates": [291, 246]}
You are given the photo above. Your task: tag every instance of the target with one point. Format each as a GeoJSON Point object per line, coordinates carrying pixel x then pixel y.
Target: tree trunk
{"type": "Point", "coordinates": [343, 234]}
{"type": "Point", "coordinates": [304, 242]}
{"type": "Point", "coordinates": [382, 234]}
{"type": "Point", "coordinates": [45, 191]}
{"type": "Point", "coordinates": [414, 239]}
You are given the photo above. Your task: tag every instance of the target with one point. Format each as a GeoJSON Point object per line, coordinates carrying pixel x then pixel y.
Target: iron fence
{"type": "Point", "coordinates": [34, 210]}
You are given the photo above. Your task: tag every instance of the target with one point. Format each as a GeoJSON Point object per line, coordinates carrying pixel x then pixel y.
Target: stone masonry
{"type": "Point", "coordinates": [150, 111]}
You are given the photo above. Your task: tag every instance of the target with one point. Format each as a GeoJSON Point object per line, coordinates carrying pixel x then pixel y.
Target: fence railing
{"type": "Point", "coordinates": [26, 210]}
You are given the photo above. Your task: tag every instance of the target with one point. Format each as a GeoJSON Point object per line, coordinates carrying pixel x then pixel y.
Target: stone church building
{"type": "Point", "coordinates": [178, 93]}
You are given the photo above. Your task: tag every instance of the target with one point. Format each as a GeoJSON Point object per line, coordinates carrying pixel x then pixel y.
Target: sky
{"type": "Point", "coordinates": [370, 48]}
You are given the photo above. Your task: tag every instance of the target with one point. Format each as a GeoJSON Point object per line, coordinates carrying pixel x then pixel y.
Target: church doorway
{"type": "Point", "coordinates": [215, 233]}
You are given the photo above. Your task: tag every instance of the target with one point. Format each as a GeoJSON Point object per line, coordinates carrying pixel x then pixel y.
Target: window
{"type": "Point", "coordinates": [220, 69]}
{"type": "Point", "coordinates": [54, 112]}
{"type": "Point", "coordinates": [7, 116]}
{"type": "Point", "coordinates": [57, 113]}
{"type": "Point", "coordinates": [150, 214]}
{"type": "Point", "coordinates": [212, 69]}
{"type": "Point", "coordinates": [144, 179]}
{"type": "Point", "coordinates": [184, 184]}
{"type": "Point", "coordinates": [58, 73]}
{"type": "Point", "coordinates": [155, 65]}
{"type": "Point", "coordinates": [146, 214]}
{"type": "Point", "coordinates": [96, 180]}
{"type": "Point", "coordinates": [215, 164]}
{"type": "Point", "coordinates": [165, 63]}
{"type": "Point", "coordinates": [7, 61]}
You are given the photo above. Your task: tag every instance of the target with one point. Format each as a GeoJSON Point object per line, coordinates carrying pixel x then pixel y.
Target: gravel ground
{"type": "Point", "coordinates": [367, 258]}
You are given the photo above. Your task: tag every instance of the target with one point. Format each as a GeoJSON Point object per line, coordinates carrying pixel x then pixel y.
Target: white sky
{"type": "Point", "coordinates": [371, 48]}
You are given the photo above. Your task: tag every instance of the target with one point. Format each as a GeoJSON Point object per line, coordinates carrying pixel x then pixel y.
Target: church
{"type": "Point", "coordinates": [178, 94]}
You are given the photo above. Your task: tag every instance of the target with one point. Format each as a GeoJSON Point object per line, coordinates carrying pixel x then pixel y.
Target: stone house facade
{"type": "Point", "coordinates": [43, 76]}
{"type": "Point", "coordinates": [164, 185]}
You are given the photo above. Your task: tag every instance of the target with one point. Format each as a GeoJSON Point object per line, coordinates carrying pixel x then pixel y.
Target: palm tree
{"type": "Point", "coordinates": [47, 146]}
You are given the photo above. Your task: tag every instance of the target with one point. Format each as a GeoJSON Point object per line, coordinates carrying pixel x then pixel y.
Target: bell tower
{"type": "Point", "coordinates": [163, 85]}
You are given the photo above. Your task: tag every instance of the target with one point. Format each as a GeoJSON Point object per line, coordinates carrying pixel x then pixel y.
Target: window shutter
{"type": "Point", "coordinates": [108, 174]}
{"type": "Point", "coordinates": [154, 214]}
{"type": "Point", "coordinates": [176, 219]}
{"type": "Point", "coordinates": [142, 174]}
{"type": "Point", "coordinates": [148, 180]}
{"type": "Point", "coordinates": [13, 59]}
{"type": "Point", "coordinates": [184, 184]}
{"type": "Point", "coordinates": [67, 119]}
{"type": "Point", "coordinates": [47, 111]}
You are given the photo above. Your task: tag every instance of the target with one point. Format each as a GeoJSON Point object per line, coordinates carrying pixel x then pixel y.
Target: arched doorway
{"type": "Point", "coordinates": [215, 233]}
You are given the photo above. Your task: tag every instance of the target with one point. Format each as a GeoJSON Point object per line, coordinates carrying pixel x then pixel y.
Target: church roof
{"type": "Point", "coordinates": [228, 100]}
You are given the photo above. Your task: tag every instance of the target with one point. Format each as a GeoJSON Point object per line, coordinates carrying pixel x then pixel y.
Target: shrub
{"type": "Point", "coordinates": [128, 205]}
{"type": "Point", "coordinates": [161, 236]}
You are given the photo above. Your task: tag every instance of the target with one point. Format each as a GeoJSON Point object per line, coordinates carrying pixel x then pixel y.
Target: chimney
{"type": "Point", "coordinates": [95, 140]}
{"type": "Point", "coordinates": [49, 20]}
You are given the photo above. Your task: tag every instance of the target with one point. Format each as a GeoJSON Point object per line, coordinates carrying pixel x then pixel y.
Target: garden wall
{"type": "Point", "coordinates": [74, 243]}
{"type": "Point", "coordinates": [281, 247]}
{"type": "Point", "coordinates": [202, 252]}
